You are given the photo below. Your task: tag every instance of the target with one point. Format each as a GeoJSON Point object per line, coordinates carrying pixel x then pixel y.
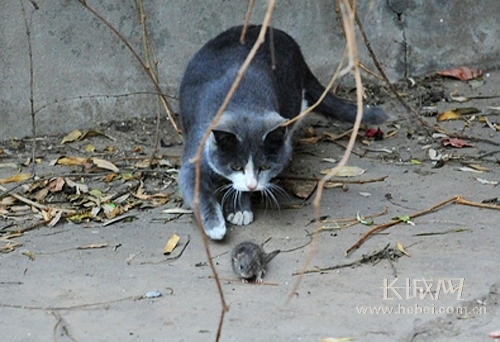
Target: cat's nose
{"type": "Point", "coordinates": [252, 186]}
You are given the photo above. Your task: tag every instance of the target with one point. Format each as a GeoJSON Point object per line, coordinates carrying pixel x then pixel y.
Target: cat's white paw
{"type": "Point", "coordinates": [240, 218]}
{"type": "Point", "coordinates": [217, 232]}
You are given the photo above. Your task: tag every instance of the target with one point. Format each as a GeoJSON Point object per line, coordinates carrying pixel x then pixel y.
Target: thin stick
{"type": "Point", "coordinates": [197, 158]}
{"type": "Point", "coordinates": [393, 223]}
{"type": "Point", "coordinates": [32, 100]}
{"type": "Point", "coordinates": [248, 15]}
{"type": "Point", "coordinates": [166, 105]}
{"type": "Point", "coordinates": [338, 73]}
{"type": "Point", "coordinates": [460, 200]}
{"type": "Point", "coordinates": [41, 206]}
{"type": "Point", "coordinates": [384, 76]}
{"type": "Point", "coordinates": [348, 23]}
{"type": "Point", "coordinates": [154, 71]}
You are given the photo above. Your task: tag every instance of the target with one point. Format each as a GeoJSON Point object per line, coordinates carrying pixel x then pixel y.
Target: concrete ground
{"type": "Point", "coordinates": [70, 294]}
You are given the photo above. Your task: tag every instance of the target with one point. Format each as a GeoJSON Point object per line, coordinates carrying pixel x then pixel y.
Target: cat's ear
{"type": "Point", "coordinates": [277, 135]}
{"type": "Point", "coordinates": [223, 138]}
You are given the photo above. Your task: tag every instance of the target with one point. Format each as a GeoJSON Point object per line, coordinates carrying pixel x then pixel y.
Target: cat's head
{"type": "Point", "coordinates": [249, 149]}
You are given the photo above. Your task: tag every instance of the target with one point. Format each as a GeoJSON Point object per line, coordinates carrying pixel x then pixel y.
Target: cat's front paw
{"type": "Point", "coordinates": [217, 232]}
{"type": "Point", "coordinates": [215, 226]}
{"type": "Point", "coordinates": [240, 218]}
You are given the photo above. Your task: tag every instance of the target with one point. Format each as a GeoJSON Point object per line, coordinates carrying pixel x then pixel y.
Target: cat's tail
{"type": "Point", "coordinates": [336, 108]}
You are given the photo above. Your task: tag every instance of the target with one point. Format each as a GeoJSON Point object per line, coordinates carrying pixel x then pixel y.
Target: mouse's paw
{"type": "Point", "coordinates": [240, 218]}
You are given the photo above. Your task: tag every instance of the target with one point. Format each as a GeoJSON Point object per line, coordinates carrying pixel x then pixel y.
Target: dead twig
{"type": "Point", "coordinates": [71, 307]}
{"type": "Point", "coordinates": [338, 73]}
{"type": "Point", "coordinates": [251, 4]}
{"type": "Point", "coordinates": [299, 247]}
{"type": "Point", "coordinates": [374, 258]}
{"type": "Point", "coordinates": [463, 136]}
{"type": "Point", "coordinates": [393, 223]}
{"type": "Point", "coordinates": [141, 62]}
{"type": "Point", "coordinates": [460, 200]}
{"type": "Point", "coordinates": [384, 76]}
{"type": "Point", "coordinates": [60, 328]}
{"type": "Point", "coordinates": [152, 67]}
{"type": "Point", "coordinates": [347, 11]}
{"type": "Point", "coordinates": [32, 99]}
{"type": "Point", "coordinates": [197, 158]}
{"type": "Point", "coordinates": [169, 258]}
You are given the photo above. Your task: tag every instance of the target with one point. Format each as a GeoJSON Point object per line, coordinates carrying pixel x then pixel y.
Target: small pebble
{"type": "Point", "coordinates": [152, 294]}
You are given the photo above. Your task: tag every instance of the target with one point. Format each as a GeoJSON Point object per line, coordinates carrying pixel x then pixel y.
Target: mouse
{"type": "Point", "coordinates": [249, 261]}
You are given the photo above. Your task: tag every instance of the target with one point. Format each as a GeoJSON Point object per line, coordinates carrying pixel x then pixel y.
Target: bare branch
{"type": "Point", "coordinates": [141, 62]}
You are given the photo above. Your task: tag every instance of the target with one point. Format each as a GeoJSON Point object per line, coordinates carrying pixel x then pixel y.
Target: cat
{"type": "Point", "coordinates": [249, 146]}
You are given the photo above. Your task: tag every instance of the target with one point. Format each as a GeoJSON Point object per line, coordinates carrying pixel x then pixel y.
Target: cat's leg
{"type": "Point", "coordinates": [239, 210]}
{"type": "Point", "coordinates": [211, 210]}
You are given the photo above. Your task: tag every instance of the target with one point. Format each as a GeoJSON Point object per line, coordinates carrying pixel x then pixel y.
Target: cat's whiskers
{"type": "Point", "coordinates": [270, 197]}
{"type": "Point", "coordinates": [227, 194]}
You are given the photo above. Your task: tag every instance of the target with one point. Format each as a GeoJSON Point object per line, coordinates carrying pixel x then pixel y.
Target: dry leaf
{"type": "Point", "coordinates": [469, 169]}
{"type": "Point", "coordinates": [478, 167]}
{"type": "Point", "coordinates": [401, 248]}
{"type": "Point", "coordinates": [95, 133]}
{"type": "Point", "coordinates": [104, 164]}
{"type": "Point", "coordinates": [9, 247]}
{"type": "Point", "coordinates": [143, 164]}
{"type": "Point", "coordinates": [491, 125]}
{"type": "Point", "coordinates": [455, 142]}
{"type": "Point", "coordinates": [331, 185]}
{"type": "Point", "coordinates": [16, 178]}
{"type": "Point", "coordinates": [6, 165]}
{"type": "Point", "coordinates": [30, 255]}
{"type": "Point", "coordinates": [56, 219]}
{"type": "Point", "coordinates": [171, 244]}
{"type": "Point", "coordinates": [345, 171]}
{"type": "Point", "coordinates": [486, 182]}
{"type": "Point", "coordinates": [495, 334]}
{"type": "Point", "coordinates": [301, 189]}
{"type": "Point", "coordinates": [309, 141]}
{"type": "Point", "coordinates": [71, 161]}
{"type": "Point", "coordinates": [376, 134]}
{"type": "Point", "coordinates": [79, 187]}
{"type": "Point", "coordinates": [93, 246]}
{"type": "Point", "coordinates": [73, 136]}
{"type": "Point", "coordinates": [177, 211]}
{"type": "Point", "coordinates": [56, 185]}
{"type": "Point", "coordinates": [89, 148]}
{"type": "Point", "coordinates": [449, 115]}
{"type": "Point", "coordinates": [462, 73]}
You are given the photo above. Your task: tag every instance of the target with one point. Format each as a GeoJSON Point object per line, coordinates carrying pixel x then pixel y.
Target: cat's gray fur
{"type": "Point", "coordinates": [249, 146]}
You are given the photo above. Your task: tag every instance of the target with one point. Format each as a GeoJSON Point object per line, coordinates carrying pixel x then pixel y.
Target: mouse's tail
{"type": "Point", "coordinates": [270, 256]}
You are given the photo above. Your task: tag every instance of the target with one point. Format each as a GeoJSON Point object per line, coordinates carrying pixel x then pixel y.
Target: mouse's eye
{"type": "Point", "coordinates": [241, 267]}
{"type": "Point", "coordinates": [236, 167]}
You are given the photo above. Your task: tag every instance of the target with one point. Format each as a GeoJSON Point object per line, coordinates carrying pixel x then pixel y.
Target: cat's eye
{"type": "Point", "coordinates": [265, 168]}
{"type": "Point", "coordinates": [236, 168]}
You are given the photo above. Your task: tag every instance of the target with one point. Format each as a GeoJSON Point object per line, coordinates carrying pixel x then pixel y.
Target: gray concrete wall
{"type": "Point", "coordinates": [75, 55]}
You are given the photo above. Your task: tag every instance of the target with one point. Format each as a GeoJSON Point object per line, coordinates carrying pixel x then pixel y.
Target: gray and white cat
{"type": "Point", "coordinates": [249, 146]}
